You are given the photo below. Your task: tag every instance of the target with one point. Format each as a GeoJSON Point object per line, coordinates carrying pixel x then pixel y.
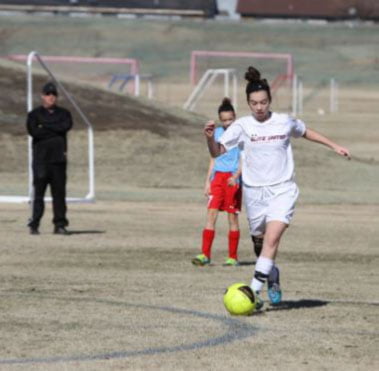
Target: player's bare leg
{"type": "Point", "coordinates": [212, 215]}
{"type": "Point", "coordinates": [265, 262]}
{"type": "Point", "coordinates": [274, 232]}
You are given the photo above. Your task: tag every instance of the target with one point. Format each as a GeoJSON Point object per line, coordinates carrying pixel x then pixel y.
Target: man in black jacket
{"type": "Point", "coordinates": [48, 125]}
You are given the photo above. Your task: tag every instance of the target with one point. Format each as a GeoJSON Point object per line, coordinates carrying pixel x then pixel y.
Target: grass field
{"type": "Point", "coordinates": [120, 293]}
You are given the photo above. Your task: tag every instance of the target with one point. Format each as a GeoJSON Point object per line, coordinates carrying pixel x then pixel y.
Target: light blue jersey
{"type": "Point", "coordinates": [229, 161]}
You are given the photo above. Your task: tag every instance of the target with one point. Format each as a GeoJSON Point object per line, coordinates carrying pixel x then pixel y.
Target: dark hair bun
{"type": "Point", "coordinates": [226, 106]}
{"type": "Point", "coordinates": [252, 74]}
{"type": "Point", "coordinates": [255, 83]}
{"type": "Point", "coordinates": [226, 102]}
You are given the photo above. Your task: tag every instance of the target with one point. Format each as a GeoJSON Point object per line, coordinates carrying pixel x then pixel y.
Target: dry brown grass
{"type": "Point", "coordinates": [121, 293]}
{"type": "Point", "coordinates": [104, 290]}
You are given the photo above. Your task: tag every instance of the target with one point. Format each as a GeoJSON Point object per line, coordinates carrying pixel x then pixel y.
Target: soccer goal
{"type": "Point", "coordinates": [285, 71]}
{"type": "Point", "coordinates": [123, 79]}
{"type": "Point", "coordinates": [91, 70]}
{"type": "Point", "coordinates": [278, 68]}
{"type": "Point", "coordinates": [89, 195]}
{"type": "Point", "coordinates": [209, 77]}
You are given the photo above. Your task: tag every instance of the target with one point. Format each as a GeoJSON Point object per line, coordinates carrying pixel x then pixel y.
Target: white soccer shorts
{"type": "Point", "coordinates": [269, 203]}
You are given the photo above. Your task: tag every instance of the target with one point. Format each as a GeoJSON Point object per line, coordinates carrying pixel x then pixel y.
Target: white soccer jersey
{"type": "Point", "coordinates": [265, 147]}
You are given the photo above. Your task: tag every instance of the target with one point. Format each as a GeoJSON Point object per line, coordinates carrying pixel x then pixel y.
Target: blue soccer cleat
{"type": "Point", "coordinates": [274, 292]}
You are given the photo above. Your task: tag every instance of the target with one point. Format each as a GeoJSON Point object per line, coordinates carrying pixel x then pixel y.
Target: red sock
{"type": "Point", "coordinates": [208, 236]}
{"type": "Point", "coordinates": [234, 237]}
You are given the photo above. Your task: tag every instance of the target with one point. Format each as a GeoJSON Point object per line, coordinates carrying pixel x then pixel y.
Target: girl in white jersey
{"type": "Point", "coordinates": [269, 189]}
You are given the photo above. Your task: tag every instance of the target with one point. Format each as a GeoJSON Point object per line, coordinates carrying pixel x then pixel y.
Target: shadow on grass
{"type": "Point", "coordinates": [89, 231]}
{"type": "Point", "coordinates": [247, 262]}
{"type": "Point", "coordinates": [298, 304]}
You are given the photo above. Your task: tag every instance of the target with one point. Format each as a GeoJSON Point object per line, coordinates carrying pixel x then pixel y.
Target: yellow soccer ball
{"type": "Point", "coordinates": [239, 299]}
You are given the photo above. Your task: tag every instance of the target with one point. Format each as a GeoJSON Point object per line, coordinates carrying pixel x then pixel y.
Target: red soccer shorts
{"type": "Point", "coordinates": [224, 197]}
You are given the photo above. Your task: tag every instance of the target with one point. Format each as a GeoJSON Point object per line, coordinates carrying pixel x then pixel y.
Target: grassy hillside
{"type": "Point", "coordinates": [348, 52]}
{"type": "Point", "coordinates": [140, 148]}
{"type": "Point", "coordinates": [137, 142]}
{"type": "Point", "coordinates": [147, 150]}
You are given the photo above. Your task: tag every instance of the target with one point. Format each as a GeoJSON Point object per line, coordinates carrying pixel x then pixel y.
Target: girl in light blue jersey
{"type": "Point", "coordinates": [222, 187]}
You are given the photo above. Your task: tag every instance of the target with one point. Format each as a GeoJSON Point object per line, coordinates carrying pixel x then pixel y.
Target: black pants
{"type": "Point", "coordinates": [55, 175]}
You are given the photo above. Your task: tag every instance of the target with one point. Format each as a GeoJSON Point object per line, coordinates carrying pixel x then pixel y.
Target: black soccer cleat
{"type": "Point", "coordinates": [61, 231]}
{"type": "Point", "coordinates": [34, 231]}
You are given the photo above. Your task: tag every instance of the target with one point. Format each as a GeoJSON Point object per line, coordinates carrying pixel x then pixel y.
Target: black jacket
{"type": "Point", "coordinates": [49, 128]}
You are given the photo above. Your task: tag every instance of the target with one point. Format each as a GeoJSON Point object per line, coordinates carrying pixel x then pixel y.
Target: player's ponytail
{"type": "Point", "coordinates": [256, 83]}
{"type": "Point", "coordinates": [226, 106]}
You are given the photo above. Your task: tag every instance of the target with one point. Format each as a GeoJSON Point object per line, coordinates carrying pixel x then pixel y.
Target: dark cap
{"type": "Point", "coordinates": [49, 88]}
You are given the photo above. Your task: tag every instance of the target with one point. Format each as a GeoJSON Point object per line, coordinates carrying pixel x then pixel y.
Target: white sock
{"type": "Point", "coordinates": [262, 270]}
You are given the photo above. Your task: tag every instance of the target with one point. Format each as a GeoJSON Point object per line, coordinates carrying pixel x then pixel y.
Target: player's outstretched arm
{"type": "Point", "coordinates": [215, 148]}
{"type": "Point", "coordinates": [313, 136]}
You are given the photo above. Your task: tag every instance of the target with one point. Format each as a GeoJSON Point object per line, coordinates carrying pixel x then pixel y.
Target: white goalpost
{"type": "Point", "coordinates": [90, 195]}
{"type": "Point", "coordinates": [330, 92]}
{"type": "Point", "coordinates": [136, 79]}
{"type": "Point", "coordinates": [277, 67]}
{"type": "Point", "coordinates": [333, 101]}
{"type": "Point", "coordinates": [230, 77]}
